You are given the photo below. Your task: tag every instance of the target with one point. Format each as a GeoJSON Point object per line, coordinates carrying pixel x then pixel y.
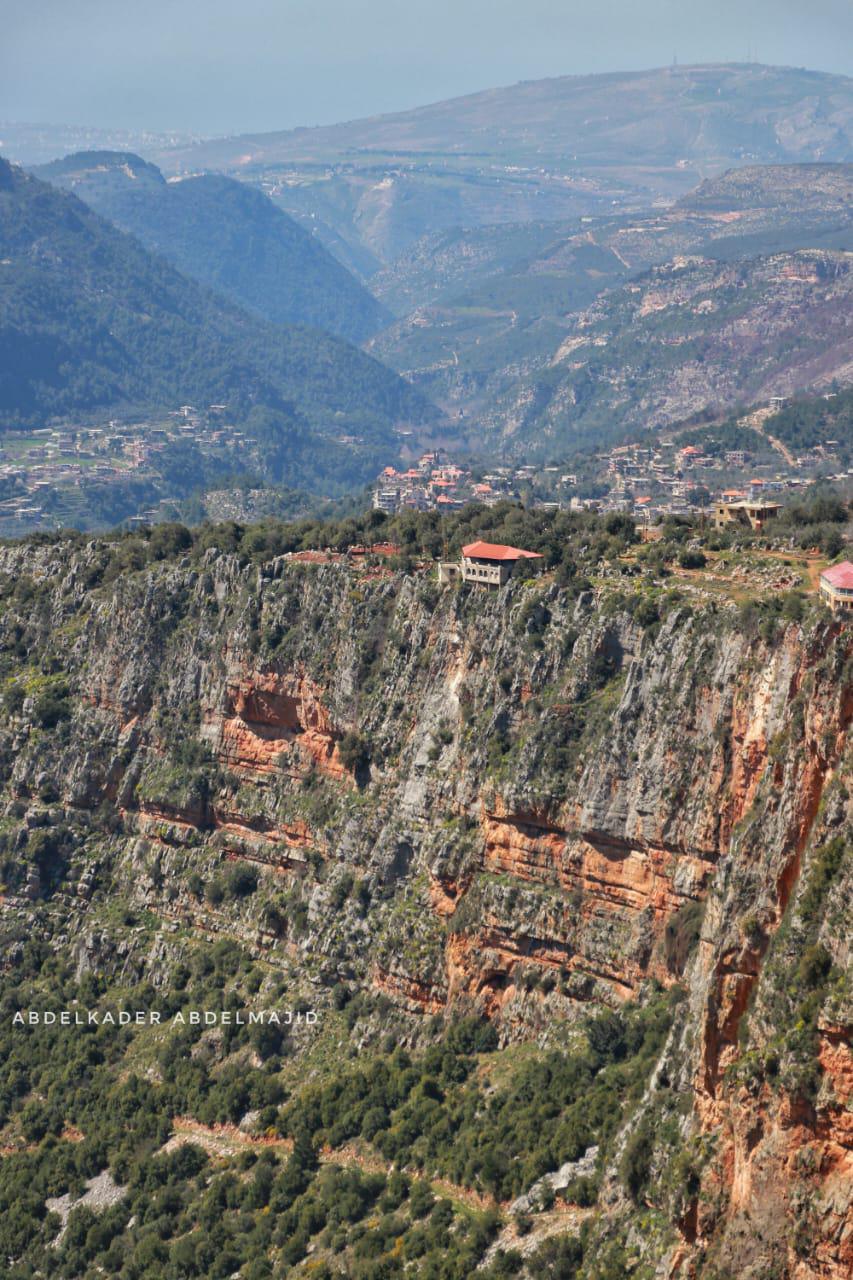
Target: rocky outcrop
{"type": "Point", "coordinates": [275, 720]}
{"type": "Point", "coordinates": [460, 813]}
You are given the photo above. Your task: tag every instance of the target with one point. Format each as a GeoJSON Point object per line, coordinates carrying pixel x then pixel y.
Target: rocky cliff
{"type": "Point", "coordinates": [521, 804]}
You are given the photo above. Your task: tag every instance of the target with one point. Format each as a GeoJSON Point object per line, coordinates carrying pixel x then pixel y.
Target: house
{"type": "Point", "coordinates": [687, 456]}
{"type": "Point", "coordinates": [836, 587]}
{"type": "Point", "coordinates": [386, 500]}
{"type": "Point", "coordinates": [754, 514]}
{"type": "Point", "coordinates": [492, 565]}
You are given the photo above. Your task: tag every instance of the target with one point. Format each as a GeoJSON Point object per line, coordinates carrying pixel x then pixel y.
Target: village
{"type": "Point", "coordinates": [122, 472]}
{"type": "Point", "coordinates": [55, 476]}
{"type": "Point", "coordinates": [650, 479]}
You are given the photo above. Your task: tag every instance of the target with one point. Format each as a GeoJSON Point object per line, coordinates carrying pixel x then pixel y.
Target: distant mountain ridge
{"type": "Point", "coordinates": [229, 236]}
{"type": "Point", "coordinates": [90, 322]}
{"type": "Point", "coordinates": [602, 118]}
{"type": "Point", "coordinates": [541, 150]}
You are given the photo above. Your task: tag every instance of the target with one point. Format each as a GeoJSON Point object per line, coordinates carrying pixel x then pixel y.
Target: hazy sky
{"type": "Point", "coordinates": [223, 66]}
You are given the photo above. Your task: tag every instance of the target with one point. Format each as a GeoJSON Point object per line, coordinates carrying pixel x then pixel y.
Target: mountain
{"type": "Point", "coordinates": [757, 209]}
{"type": "Point", "coordinates": [229, 236]}
{"type": "Point", "coordinates": [501, 301]}
{"type": "Point", "coordinates": [546, 149]}
{"type": "Point", "coordinates": [444, 265]}
{"type": "Point", "coordinates": [90, 322]}
{"type": "Point", "coordinates": [821, 189]}
{"type": "Point", "coordinates": [688, 336]}
{"type": "Point", "coordinates": [471, 933]}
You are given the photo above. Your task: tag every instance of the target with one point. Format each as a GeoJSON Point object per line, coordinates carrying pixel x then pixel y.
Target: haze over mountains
{"type": "Point", "coordinates": [91, 322]}
{"type": "Point", "coordinates": [229, 236]}
{"type": "Point", "coordinates": [27, 144]}
{"type": "Point", "coordinates": [544, 149]}
{"type": "Point", "coordinates": [510, 304]}
{"type": "Point", "coordinates": [510, 232]}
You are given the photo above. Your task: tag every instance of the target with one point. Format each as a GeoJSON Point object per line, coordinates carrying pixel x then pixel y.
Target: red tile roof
{"type": "Point", "coordinates": [840, 575]}
{"type": "Point", "coordinates": [496, 551]}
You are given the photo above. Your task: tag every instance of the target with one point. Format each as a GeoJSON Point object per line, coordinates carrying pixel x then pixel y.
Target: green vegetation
{"type": "Point", "coordinates": [228, 235]}
{"type": "Point", "coordinates": [459, 1107]}
{"type": "Point", "coordinates": [566, 539]}
{"type": "Point", "coordinates": [376, 1143]}
{"type": "Point", "coordinates": [97, 325]}
{"type": "Point", "coordinates": [681, 935]}
{"type": "Point", "coordinates": [813, 420]}
{"type": "Point", "coordinates": [440, 1112]}
{"type": "Point", "coordinates": [800, 981]}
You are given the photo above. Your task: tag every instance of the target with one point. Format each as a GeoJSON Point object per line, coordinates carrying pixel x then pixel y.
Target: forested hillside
{"type": "Point", "coordinates": [229, 236]}
{"type": "Point", "coordinates": [90, 323]}
{"type": "Point", "coordinates": [688, 337]}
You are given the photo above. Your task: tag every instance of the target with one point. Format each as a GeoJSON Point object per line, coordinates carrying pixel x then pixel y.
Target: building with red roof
{"type": "Point", "coordinates": [492, 564]}
{"type": "Point", "coordinates": [836, 587]}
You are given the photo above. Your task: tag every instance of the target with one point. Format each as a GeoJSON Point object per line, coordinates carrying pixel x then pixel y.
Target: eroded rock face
{"type": "Point", "coordinates": [525, 832]}
{"type": "Point", "coordinates": [275, 720]}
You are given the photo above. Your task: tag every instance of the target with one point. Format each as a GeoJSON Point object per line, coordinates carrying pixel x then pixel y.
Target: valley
{"type": "Point", "coordinates": [503, 349]}
{"type": "Point", "coordinates": [570, 145]}
{"type": "Point", "coordinates": [426, 679]}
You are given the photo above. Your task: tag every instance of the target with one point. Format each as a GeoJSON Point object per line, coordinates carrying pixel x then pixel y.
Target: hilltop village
{"type": "Point", "coordinates": [105, 474]}
{"type": "Point", "coordinates": [651, 479]}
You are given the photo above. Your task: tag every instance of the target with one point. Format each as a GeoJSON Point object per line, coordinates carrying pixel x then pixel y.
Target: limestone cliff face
{"type": "Point", "coordinates": [518, 802]}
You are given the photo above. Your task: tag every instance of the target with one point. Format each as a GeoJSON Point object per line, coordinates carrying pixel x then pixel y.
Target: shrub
{"type": "Point", "coordinates": [606, 1035]}
{"type": "Point", "coordinates": [214, 892]}
{"type": "Point", "coordinates": [52, 704]}
{"type": "Point", "coordinates": [14, 698]}
{"type": "Point", "coordinates": [353, 752]}
{"type": "Point", "coordinates": [636, 1160]}
{"type": "Point", "coordinates": [646, 614]}
{"type": "Point", "coordinates": [241, 880]}
{"type": "Point", "coordinates": [681, 933]}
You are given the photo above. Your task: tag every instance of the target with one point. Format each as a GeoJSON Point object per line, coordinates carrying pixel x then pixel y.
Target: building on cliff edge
{"type": "Point", "coordinates": [489, 564]}
{"type": "Point", "coordinates": [836, 587]}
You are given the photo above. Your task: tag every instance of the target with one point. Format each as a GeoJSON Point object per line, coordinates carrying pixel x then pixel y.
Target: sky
{"type": "Point", "coordinates": [213, 67]}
